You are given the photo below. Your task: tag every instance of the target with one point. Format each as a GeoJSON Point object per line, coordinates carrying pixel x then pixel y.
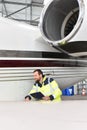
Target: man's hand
{"type": "Point", "coordinates": [46, 98]}
{"type": "Point", "coordinates": [27, 99]}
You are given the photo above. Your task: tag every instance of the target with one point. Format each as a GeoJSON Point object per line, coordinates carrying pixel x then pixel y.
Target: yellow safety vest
{"type": "Point", "coordinates": [49, 87]}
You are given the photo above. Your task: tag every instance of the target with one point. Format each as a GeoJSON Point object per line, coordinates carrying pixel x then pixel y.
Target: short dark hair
{"type": "Point", "coordinates": [39, 71]}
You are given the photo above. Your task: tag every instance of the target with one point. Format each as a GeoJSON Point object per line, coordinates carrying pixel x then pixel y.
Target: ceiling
{"type": "Point", "coordinates": [22, 10]}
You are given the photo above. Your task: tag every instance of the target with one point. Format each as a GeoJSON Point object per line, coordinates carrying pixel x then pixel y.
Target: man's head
{"type": "Point", "coordinates": [38, 75]}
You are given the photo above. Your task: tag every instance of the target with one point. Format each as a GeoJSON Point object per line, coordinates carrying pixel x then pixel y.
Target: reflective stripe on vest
{"type": "Point", "coordinates": [51, 89]}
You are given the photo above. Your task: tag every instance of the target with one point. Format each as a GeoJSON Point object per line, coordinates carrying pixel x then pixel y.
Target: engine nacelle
{"type": "Point", "coordinates": [62, 21]}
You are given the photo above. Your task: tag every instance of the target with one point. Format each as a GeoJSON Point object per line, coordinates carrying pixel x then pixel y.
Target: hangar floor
{"type": "Point", "coordinates": [68, 115]}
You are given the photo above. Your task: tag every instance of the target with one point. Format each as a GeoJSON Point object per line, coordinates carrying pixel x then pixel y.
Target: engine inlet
{"type": "Point", "coordinates": [61, 19]}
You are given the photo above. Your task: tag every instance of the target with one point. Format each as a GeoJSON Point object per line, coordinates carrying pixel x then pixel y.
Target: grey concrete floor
{"type": "Point", "coordinates": [68, 115]}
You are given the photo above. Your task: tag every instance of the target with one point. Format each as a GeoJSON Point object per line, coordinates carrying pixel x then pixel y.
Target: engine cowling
{"type": "Point", "coordinates": [61, 20]}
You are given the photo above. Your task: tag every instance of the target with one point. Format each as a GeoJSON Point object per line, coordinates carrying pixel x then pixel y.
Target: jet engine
{"type": "Point", "coordinates": [64, 22]}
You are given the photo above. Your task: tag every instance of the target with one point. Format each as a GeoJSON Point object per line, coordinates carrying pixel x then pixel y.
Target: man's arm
{"type": "Point", "coordinates": [56, 92]}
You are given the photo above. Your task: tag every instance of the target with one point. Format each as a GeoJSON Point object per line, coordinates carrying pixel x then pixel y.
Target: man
{"type": "Point", "coordinates": [48, 87]}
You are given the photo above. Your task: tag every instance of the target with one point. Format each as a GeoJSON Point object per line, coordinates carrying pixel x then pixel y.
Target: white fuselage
{"type": "Point", "coordinates": [20, 36]}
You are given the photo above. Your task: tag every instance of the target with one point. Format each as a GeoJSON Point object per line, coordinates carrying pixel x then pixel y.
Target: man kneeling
{"type": "Point", "coordinates": [44, 88]}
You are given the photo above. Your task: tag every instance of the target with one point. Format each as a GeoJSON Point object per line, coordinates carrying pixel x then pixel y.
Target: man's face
{"type": "Point", "coordinates": [37, 77]}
